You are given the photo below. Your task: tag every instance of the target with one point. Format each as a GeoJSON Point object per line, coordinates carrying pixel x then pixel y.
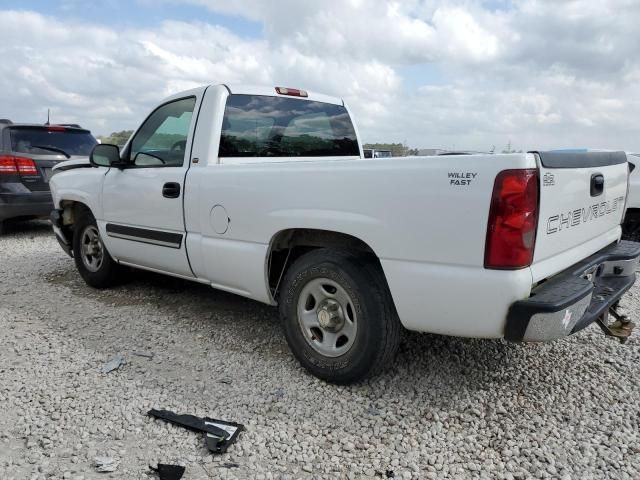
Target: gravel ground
{"type": "Point", "coordinates": [450, 408]}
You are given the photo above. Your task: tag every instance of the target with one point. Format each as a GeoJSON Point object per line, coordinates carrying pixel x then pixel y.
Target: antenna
{"type": "Point", "coordinates": [48, 115]}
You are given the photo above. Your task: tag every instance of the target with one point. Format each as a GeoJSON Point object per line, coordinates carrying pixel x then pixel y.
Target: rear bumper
{"type": "Point", "coordinates": [575, 298]}
{"type": "Point", "coordinates": [32, 204]}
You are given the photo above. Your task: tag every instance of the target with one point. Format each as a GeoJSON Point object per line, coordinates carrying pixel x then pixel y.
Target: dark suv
{"type": "Point", "coordinates": [27, 154]}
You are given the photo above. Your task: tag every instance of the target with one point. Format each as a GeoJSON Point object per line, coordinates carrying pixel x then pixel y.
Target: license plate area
{"type": "Point", "coordinates": [46, 174]}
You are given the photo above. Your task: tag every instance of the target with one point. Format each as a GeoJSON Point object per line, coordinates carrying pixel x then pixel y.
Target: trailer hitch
{"type": "Point", "coordinates": [621, 328]}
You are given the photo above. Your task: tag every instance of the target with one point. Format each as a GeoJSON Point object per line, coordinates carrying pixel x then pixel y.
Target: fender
{"type": "Point", "coordinates": [65, 188]}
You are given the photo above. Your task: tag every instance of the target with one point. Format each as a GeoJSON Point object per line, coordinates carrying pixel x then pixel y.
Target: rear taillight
{"type": "Point", "coordinates": [11, 165]}
{"type": "Point", "coordinates": [513, 220]}
{"type": "Point", "coordinates": [7, 166]}
{"type": "Point", "coordinates": [26, 166]}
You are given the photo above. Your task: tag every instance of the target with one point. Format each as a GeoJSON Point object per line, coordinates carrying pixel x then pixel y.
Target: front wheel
{"type": "Point", "coordinates": [338, 316]}
{"type": "Point", "coordinates": [93, 262]}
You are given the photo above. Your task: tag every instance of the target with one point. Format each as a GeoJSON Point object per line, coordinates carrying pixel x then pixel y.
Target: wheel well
{"type": "Point", "coordinates": [288, 245]}
{"type": "Point", "coordinates": [71, 211]}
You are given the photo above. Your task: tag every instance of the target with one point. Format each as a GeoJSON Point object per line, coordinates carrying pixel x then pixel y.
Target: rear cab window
{"type": "Point", "coordinates": [265, 126]}
{"type": "Point", "coordinates": [51, 140]}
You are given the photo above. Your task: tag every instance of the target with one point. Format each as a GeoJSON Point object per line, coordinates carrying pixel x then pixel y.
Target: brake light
{"type": "Point", "coordinates": [56, 128]}
{"type": "Point", "coordinates": [7, 166]}
{"type": "Point", "coordinates": [513, 220]}
{"type": "Point", "coordinates": [292, 92]}
{"type": "Point", "coordinates": [10, 165]}
{"type": "Point", "coordinates": [26, 166]}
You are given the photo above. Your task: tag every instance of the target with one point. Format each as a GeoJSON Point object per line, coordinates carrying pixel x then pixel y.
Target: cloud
{"type": "Point", "coordinates": [387, 31]}
{"type": "Point", "coordinates": [540, 73]}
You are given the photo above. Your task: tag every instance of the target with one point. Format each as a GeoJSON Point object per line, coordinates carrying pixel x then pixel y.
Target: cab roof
{"type": "Point", "coordinates": [271, 91]}
{"type": "Point", "coordinates": [239, 89]}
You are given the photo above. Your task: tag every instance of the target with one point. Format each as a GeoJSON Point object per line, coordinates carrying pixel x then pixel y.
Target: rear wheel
{"type": "Point", "coordinates": [338, 316]}
{"type": "Point", "coordinates": [93, 262]}
{"type": "Point", "coordinates": [631, 225]}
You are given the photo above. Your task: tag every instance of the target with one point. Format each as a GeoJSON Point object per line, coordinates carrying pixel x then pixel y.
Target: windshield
{"type": "Point", "coordinates": [42, 141]}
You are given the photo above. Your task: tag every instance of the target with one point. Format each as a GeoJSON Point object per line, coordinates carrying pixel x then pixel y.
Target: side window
{"type": "Point", "coordinates": [161, 140]}
{"type": "Point", "coordinates": [264, 126]}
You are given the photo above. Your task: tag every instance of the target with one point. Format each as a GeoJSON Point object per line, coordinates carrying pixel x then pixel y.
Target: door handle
{"type": "Point", "coordinates": [171, 190]}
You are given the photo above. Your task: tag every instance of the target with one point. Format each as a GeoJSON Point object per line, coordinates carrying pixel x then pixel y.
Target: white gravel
{"type": "Point", "coordinates": [450, 408]}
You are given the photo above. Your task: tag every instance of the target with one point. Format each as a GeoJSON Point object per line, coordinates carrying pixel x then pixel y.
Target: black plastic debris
{"type": "Point", "coordinates": [219, 435]}
{"type": "Point", "coordinates": [168, 472]}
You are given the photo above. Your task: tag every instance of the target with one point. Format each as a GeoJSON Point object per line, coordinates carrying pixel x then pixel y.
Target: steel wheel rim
{"type": "Point", "coordinates": [327, 317]}
{"type": "Point", "coordinates": [91, 249]}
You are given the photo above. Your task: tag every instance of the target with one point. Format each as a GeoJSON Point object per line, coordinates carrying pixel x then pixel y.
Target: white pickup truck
{"type": "Point", "coordinates": [266, 193]}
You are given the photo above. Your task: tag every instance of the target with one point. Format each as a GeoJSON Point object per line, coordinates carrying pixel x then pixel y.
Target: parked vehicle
{"type": "Point", "coordinates": [374, 153]}
{"type": "Point", "coordinates": [265, 193]}
{"type": "Point", "coordinates": [28, 153]}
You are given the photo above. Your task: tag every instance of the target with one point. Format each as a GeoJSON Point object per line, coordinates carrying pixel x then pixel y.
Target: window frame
{"type": "Point", "coordinates": [126, 154]}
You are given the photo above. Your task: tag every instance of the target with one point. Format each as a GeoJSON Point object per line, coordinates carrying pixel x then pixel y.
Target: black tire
{"type": "Point", "coordinates": [107, 273]}
{"type": "Point", "coordinates": [377, 337]}
{"type": "Point", "coordinates": [1, 228]}
{"type": "Point", "coordinates": [631, 231]}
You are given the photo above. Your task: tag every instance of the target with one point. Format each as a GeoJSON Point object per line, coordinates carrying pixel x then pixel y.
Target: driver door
{"type": "Point", "coordinates": [143, 219]}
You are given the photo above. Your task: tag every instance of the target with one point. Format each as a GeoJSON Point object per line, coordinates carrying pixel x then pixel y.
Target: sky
{"type": "Point", "coordinates": [456, 74]}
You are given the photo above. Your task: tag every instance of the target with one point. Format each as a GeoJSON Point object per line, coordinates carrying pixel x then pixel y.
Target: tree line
{"type": "Point", "coordinates": [116, 138]}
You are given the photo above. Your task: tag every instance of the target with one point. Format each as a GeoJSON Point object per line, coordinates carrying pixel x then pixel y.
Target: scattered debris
{"type": "Point", "coordinates": [143, 354]}
{"type": "Point", "coordinates": [225, 380]}
{"type": "Point", "coordinates": [373, 411]}
{"type": "Point", "coordinates": [105, 464]}
{"type": "Point", "coordinates": [113, 364]}
{"type": "Point", "coordinates": [168, 472]}
{"type": "Point", "coordinates": [219, 435]}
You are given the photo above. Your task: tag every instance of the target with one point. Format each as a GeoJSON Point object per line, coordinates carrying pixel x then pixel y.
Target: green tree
{"type": "Point", "coordinates": [117, 138]}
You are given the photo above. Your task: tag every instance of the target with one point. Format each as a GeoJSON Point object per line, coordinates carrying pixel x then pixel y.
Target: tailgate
{"type": "Point", "coordinates": [582, 200]}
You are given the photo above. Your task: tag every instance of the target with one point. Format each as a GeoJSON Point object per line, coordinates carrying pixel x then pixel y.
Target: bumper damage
{"type": "Point", "coordinates": [572, 300]}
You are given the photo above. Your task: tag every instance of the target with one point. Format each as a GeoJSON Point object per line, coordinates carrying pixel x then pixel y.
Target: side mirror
{"type": "Point", "coordinates": [105, 155]}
